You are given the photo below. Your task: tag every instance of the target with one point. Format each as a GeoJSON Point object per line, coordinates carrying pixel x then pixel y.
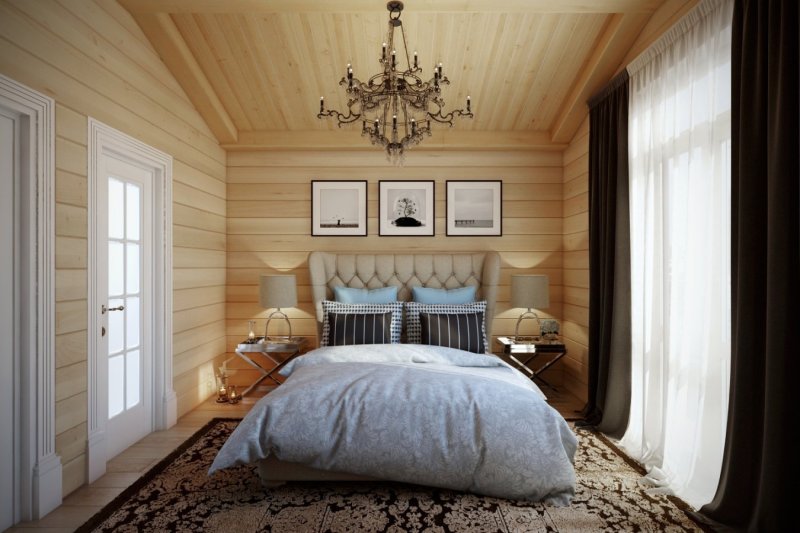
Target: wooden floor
{"type": "Point", "coordinates": [128, 466]}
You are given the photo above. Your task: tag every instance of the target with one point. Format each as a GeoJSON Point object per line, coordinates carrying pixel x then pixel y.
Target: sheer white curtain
{"type": "Point", "coordinates": [679, 151]}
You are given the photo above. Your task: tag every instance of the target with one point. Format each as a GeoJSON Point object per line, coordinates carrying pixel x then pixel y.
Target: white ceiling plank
{"type": "Point", "coordinates": [349, 6]}
{"type": "Point", "coordinates": [620, 32]}
{"type": "Point", "coordinates": [352, 140]}
{"type": "Point", "coordinates": [175, 53]}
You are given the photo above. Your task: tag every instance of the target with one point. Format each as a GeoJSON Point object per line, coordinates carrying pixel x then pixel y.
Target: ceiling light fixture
{"type": "Point", "coordinates": [396, 108]}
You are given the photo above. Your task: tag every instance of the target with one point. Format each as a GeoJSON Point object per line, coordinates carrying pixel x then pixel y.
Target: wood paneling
{"type": "Point", "coordinates": [93, 59]}
{"type": "Point", "coordinates": [269, 228]}
{"type": "Point", "coordinates": [256, 69]}
{"type": "Point", "coordinates": [576, 262]}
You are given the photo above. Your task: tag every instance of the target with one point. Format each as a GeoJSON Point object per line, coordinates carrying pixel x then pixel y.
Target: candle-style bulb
{"type": "Point", "coordinates": [468, 102]}
{"type": "Point", "coordinates": [394, 122]}
{"type": "Point", "coordinates": [440, 69]}
{"type": "Point", "coordinates": [384, 51]}
{"type": "Point", "coordinates": [321, 104]}
{"type": "Point", "coordinates": [394, 58]}
{"type": "Point", "coordinates": [415, 59]}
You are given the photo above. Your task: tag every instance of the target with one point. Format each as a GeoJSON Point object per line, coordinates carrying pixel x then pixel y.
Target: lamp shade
{"type": "Point", "coordinates": [529, 291]}
{"type": "Point", "coordinates": [278, 290]}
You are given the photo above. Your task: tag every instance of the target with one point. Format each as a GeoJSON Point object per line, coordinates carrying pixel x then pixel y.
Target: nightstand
{"type": "Point", "coordinates": [291, 348]}
{"type": "Point", "coordinates": [524, 356]}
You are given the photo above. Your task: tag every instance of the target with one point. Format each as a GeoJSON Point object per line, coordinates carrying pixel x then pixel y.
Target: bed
{"type": "Point", "coordinates": [408, 412]}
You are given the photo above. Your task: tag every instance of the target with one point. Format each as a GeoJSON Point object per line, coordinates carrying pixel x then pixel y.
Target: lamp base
{"type": "Point", "coordinates": [529, 314]}
{"type": "Point", "coordinates": [282, 338]}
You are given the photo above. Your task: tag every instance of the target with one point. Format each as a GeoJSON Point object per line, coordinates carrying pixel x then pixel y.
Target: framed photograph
{"type": "Point", "coordinates": [406, 208]}
{"type": "Point", "coordinates": [474, 208]}
{"type": "Point", "coordinates": [339, 208]}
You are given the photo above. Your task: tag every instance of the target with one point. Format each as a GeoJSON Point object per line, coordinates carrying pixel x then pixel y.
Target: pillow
{"type": "Point", "coordinates": [413, 309]}
{"type": "Point", "coordinates": [462, 330]}
{"type": "Point", "coordinates": [349, 295]}
{"type": "Point", "coordinates": [429, 295]}
{"type": "Point", "coordinates": [396, 308]}
{"type": "Point", "coordinates": [359, 328]}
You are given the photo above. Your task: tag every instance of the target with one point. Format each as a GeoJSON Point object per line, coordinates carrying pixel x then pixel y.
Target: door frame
{"type": "Point", "coordinates": [105, 140]}
{"type": "Point", "coordinates": [39, 483]}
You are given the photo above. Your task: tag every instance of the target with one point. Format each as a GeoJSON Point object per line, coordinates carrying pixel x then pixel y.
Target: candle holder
{"type": "Point", "coordinates": [222, 389]}
{"type": "Point", "coordinates": [233, 396]}
{"type": "Point", "coordinates": [251, 332]}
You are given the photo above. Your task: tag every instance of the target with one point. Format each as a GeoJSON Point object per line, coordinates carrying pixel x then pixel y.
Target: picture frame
{"type": "Point", "coordinates": [339, 208]}
{"type": "Point", "coordinates": [406, 208]}
{"type": "Point", "coordinates": [474, 208]}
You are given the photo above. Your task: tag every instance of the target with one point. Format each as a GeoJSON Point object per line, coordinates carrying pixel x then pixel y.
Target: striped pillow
{"type": "Point", "coordinates": [396, 308]}
{"type": "Point", "coordinates": [359, 328]}
{"type": "Point", "coordinates": [462, 330]}
{"type": "Point", "coordinates": [413, 333]}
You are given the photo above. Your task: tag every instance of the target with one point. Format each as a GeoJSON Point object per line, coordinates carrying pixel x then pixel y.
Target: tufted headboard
{"type": "Point", "coordinates": [371, 271]}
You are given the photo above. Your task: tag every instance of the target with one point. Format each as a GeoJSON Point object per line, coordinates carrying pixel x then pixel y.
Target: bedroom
{"type": "Point", "coordinates": [241, 191]}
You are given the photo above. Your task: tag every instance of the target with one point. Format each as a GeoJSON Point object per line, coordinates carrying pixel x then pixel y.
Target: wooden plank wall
{"type": "Point", "coordinates": [576, 262]}
{"type": "Point", "coordinates": [92, 58]}
{"type": "Point", "coordinates": [269, 207]}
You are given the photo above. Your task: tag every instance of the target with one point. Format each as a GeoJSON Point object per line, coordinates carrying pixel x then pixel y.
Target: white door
{"type": "Point", "coordinates": [124, 282]}
{"type": "Point", "coordinates": [8, 156]}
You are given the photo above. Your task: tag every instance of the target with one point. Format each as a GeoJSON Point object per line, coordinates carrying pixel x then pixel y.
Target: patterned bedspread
{"type": "Point", "coordinates": [413, 413]}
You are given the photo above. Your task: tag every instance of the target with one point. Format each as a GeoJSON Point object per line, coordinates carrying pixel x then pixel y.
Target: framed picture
{"type": "Point", "coordinates": [406, 208]}
{"type": "Point", "coordinates": [339, 208]}
{"type": "Point", "coordinates": [474, 208]}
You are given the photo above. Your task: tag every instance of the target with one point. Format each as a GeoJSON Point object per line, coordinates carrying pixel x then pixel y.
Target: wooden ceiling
{"type": "Point", "coordinates": [255, 69]}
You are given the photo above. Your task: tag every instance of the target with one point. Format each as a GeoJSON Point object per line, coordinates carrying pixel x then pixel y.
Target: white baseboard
{"type": "Point", "coordinates": [170, 409]}
{"type": "Point", "coordinates": [46, 485]}
{"type": "Point", "coordinates": [96, 456]}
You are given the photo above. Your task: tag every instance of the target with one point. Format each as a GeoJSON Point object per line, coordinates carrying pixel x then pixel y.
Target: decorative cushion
{"type": "Point", "coordinates": [396, 308]}
{"type": "Point", "coordinates": [454, 330]}
{"type": "Point", "coordinates": [413, 309]}
{"type": "Point", "coordinates": [430, 295]}
{"type": "Point", "coordinates": [359, 328]}
{"type": "Point", "coordinates": [350, 295]}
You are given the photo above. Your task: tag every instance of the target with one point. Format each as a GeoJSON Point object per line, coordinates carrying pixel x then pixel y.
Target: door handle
{"type": "Point", "coordinates": [103, 308]}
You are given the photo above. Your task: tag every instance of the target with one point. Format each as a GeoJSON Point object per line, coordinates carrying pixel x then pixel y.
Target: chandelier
{"type": "Point", "coordinates": [396, 107]}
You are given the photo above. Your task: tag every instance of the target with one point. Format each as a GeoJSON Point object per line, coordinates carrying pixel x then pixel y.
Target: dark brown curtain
{"type": "Point", "coordinates": [760, 465]}
{"type": "Point", "coordinates": [609, 260]}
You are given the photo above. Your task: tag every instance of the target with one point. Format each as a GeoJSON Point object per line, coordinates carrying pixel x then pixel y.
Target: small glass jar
{"type": "Point", "coordinates": [233, 395]}
{"type": "Point", "coordinates": [222, 389]}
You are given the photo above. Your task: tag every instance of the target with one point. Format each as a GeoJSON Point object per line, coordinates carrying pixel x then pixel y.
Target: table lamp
{"type": "Point", "coordinates": [529, 292]}
{"type": "Point", "coordinates": [275, 292]}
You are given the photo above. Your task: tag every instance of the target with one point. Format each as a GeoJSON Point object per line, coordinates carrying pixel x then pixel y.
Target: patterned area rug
{"type": "Point", "coordinates": [176, 495]}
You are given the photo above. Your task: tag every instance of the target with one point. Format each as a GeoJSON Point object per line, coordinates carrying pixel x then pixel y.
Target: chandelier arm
{"type": "Point", "coordinates": [449, 117]}
{"type": "Point", "coordinates": [349, 118]}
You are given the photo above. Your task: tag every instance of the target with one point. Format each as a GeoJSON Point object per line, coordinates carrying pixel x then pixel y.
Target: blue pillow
{"type": "Point", "coordinates": [427, 295]}
{"type": "Point", "coordinates": [348, 295]}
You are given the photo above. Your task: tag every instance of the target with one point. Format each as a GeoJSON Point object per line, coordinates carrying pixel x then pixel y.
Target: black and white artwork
{"type": "Point", "coordinates": [406, 208]}
{"type": "Point", "coordinates": [474, 208]}
{"type": "Point", "coordinates": [339, 208]}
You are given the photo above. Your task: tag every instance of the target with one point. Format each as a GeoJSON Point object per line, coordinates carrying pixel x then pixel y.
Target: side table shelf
{"type": "Point", "coordinates": [524, 354]}
{"type": "Point", "coordinates": [292, 347]}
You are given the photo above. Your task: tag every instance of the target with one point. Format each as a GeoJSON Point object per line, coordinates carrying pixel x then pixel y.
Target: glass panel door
{"type": "Point", "coordinates": [124, 295]}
